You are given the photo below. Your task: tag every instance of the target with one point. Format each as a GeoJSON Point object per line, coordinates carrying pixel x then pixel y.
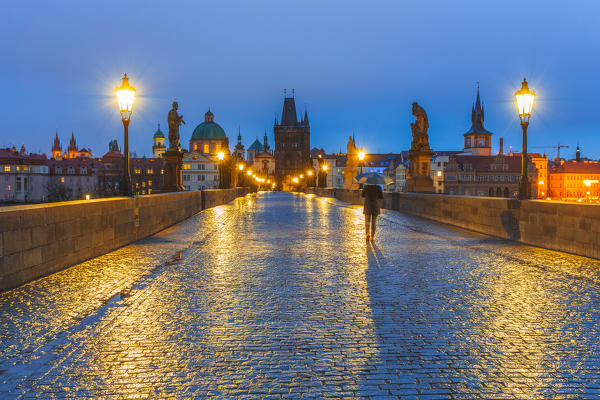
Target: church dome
{"type": "Point", "coordinates": [158, 133]}
{"type": "Point", "coordinates": [256, 146]}
{"type": "Point", "coordinates": [208, 129]}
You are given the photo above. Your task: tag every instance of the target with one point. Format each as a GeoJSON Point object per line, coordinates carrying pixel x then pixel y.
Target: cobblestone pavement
{"type": "Point", "coordinates": [277, 295]}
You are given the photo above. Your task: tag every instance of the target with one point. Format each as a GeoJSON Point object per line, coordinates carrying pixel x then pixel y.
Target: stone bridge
{"type": "Point", "coordinates": [277, 295]}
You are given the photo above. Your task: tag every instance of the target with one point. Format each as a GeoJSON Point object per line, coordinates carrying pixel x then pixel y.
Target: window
{"type": "Point", "coordinates": [195, 147]}
{"type": "Point", "coordinates": [187, 166]}
{"type": "Point", "coordinates": [7, 168]}
{"type": "Point", "coordinates": [206, 148]}
{"type": "Point", "coordinates": [149, 184]}
{"type": "Point", "coordinates": [62, 179]}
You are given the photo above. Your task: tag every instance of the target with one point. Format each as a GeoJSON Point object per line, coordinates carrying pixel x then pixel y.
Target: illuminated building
{"type": "Point", "coordinates": [575, 181]}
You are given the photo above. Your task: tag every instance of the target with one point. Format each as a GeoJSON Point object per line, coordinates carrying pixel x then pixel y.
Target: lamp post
{"type": "Point", "coordinates": [125, 96]}
{"type": "Point", "coordinates": [525, 99]}
{"type": "Point", "coordinates": [221, 156]}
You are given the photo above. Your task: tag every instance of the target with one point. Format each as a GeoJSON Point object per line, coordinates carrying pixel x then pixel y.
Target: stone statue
{"type": "Point", "coordinates": [419, 129]}
{"type": "Point", "coordinates": [351, 169]}
{"type": "Point", "coordinates": [420, 154]}
{"type": "Point", "coordinates": [175, 120]}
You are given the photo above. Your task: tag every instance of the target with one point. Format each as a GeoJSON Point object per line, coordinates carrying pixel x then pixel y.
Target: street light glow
{"type": "Point", "coordinates": [525, 99]}
{"type": "Point", "coordinates": [221, 155]}
{"type": "Point", "coordinates": [295, 180]}
{"type": "Point", "coordinates": [125, 97]}
{"type": "Point", "coordinates": [361, 155]}
{"type": "Point", "coordinates": [249, 172]}
{"type": "Point", "coordinates": [241, 167]}
{"type": "Point", "coordinates": [325, 167]}
{"type": "Point", "coordinates": [309, 173]}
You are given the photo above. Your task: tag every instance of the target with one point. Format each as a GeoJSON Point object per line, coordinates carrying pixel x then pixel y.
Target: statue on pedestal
{"type": "Point", "coordinates": [420, 154]}
{"type": "Point", "coordinates": [173, 156]}
{"type": "Point", "coordinates": [175, 120]}
{"type": "Point", "coordinates": [351, 169]}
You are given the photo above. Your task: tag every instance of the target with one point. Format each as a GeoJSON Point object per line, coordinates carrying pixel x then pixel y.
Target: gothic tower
{"type": "Point", "coordinates": [292, 144]}
{"type": "Point", "coordinates": [478, 140]}
{"type": "Point", "coordinates": [57, 148]}
{"type": "Point", "coordinates": [72, 146]}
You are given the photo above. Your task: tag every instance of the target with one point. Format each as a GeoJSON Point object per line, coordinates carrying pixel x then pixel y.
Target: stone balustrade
{"type": "Point", "coordinates": [555, 225]}
{"type": "Point", "coordinates": [43, 238]}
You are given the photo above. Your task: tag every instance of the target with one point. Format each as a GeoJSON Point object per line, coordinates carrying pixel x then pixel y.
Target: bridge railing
{"type": "Point", "coordinates": [40, 239]}
{"type": "Point", "coordinates": [555, 225]}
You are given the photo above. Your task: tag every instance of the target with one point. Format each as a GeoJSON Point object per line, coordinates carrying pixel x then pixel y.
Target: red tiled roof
{"type": "Point", "coordinates": [577, 168]}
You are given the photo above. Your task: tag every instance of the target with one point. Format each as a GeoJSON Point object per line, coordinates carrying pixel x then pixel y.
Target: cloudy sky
{"type": "Point", "coordinates": [356, 65]}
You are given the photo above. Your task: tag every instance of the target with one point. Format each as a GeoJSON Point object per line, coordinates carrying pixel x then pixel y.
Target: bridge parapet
{"type": "Point", "coordinates": [555, 225]}
{"type": "Point", "coordinates": [39, 239]}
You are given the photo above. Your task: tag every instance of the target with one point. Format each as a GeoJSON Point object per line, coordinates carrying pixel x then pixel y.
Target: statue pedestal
{"type": "Point", "coordinates": [173, 171]}
{"type": "Point", "coordinates": [420, 181]}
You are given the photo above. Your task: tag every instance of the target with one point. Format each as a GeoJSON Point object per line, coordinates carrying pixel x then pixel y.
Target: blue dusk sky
{"type": "Point", "coordinates": [356, 65]}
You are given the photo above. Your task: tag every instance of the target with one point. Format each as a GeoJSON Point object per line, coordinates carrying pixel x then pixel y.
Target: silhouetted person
{"type": "Point", "coordinates": [373, 195]}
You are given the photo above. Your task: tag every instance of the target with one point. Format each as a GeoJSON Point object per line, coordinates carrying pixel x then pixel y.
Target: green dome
{"type": "Point", "coordinates": [158, 133]}
{"type": "Point", "coordinates": [208, 130]}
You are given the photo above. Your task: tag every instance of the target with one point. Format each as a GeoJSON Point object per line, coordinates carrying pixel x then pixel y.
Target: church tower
{"type": "Point", "coordinates": [292, 143]}
{"type": "Point", "coordinates": [72, 146]}
{"type": "Point", "coordinates": [478, 141]}
{"type": "Point", "coordinates": [56, 148]}
{"type": "Point", "coordinates": [238, 151]}
{"type": "Point", "coordinates": [158, 149]}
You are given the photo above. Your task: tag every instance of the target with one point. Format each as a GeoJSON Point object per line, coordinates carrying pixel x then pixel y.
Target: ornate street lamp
{"type": "Point", "coordinates": [525, 99]}
{"type": "Point", "coordinates": [125, 96]}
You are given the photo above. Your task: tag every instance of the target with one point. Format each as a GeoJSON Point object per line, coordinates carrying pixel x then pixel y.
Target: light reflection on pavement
{"type": "Point", "coordinates": [277, 295]}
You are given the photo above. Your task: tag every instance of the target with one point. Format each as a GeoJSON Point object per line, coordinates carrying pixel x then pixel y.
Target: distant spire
{"type": "Point", "coordinates": [239, 135]}
{"type": "Point", "coordinates": [477, 116]}
{"type": "Point", "coordinates": [305, 120]}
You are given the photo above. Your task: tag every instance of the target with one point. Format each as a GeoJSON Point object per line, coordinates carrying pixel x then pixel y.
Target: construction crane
{"type": "Point", "coordinates": [557, 147]}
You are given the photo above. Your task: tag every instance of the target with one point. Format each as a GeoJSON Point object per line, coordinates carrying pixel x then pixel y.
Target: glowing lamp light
{"type": "Point", "coordinates": [249, 172]}
{"type": "Point", "coordinates": [125, 97]}
{"type": "Point", "coordinates": [541, 182]}
{"type": "Point", "coordinates": [301, 176]}
{"type": "Point", "coordinates": [439, 173]}
{"type": "Point", "coordinates": [325, 167]}
{"type": "Point", "coordinates": [295, 180]}
{"type": "Point", "coordinates": [87, 196]}
{"type": "Point", "coordinates": [309, 173]}
{"type": "Point", "coordinates": [221, 155]}
{"type": "Point", "coordinates": [588, 182]}
{"type": "Point", "coordinates": [525, 99]}
{"type": "Point", "coordinates": [361, 155]}
{"type": "Point", "coordinates": [241, 167]}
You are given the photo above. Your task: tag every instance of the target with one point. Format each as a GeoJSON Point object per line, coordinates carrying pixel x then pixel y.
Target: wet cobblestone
{"type": "Point", "coordinates": [277, 295]}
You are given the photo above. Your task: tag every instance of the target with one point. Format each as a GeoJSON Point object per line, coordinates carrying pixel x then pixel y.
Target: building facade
{"type": "Point", "coordinates": [575, 181]}
{"type": "Point", "coordinates": [23, 177]}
